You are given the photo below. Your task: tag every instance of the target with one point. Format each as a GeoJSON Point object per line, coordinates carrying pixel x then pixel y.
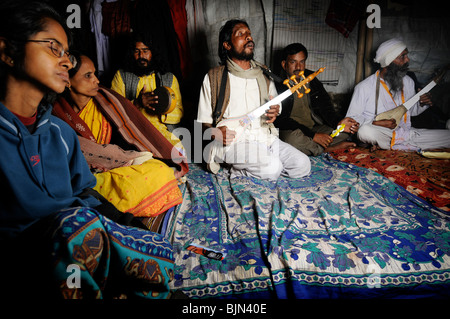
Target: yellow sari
{"type": "Point", "coordinates": [144, 190]}
{"type": "Point", "coordinates": [97, 123]}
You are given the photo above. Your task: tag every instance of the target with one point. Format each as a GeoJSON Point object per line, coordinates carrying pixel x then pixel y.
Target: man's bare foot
{"type": "Point", "coordinates": [374, 148]}
{"type": "Point", "coordinates": [341, 145]}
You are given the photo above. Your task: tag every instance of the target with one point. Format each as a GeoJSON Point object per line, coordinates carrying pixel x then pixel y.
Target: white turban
{"type": "Point", "coordinates": [388, 51]}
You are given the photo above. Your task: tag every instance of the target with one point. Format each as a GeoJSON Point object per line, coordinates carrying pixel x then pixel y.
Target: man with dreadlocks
{"type": "Point", "coordinates": [143, 72]}
{"type": "Point", "coordinates": [259, 153]}
{"type": "Point", "coordinates": [394, 89]}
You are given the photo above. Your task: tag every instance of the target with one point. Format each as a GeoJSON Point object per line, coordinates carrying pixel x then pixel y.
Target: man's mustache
{"type": "Point", "coordinates": [249, 43]}
{"type": "Point", "coordinates": [405, 67]}
{"type": "Point", "coordinates": [142, 60]}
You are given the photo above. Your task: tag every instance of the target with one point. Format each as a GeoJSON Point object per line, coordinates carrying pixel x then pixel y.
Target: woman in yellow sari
{"type": "Point", "coordinates": [118, 147]}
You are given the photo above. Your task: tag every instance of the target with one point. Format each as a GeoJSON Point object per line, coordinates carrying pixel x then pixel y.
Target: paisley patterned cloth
{"type": "Point", "coordinates": [428, 178]}
{"type": "Point", "coordinates": [97, 258]}
{"type": "Point", "coordinates": [343, 231]}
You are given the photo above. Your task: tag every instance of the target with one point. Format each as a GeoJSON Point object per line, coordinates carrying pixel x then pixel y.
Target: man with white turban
{"type": "Point", "coordinates": [394, 89]}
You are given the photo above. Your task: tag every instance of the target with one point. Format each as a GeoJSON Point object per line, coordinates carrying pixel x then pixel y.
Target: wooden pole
{"type": "Point", "coordinates": [368, 53]}
{"type": "Point", "coordinates": [360, 51]}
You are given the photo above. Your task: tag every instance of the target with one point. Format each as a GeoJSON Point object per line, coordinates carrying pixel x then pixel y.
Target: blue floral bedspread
{"type": "Point", "coordinates": [341, 232]}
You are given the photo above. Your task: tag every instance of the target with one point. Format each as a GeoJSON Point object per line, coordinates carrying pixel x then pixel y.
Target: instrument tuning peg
{"type": "Point", "coordinates": [294, 78]}
{"type": "Point", "coordinates": [287, 82]}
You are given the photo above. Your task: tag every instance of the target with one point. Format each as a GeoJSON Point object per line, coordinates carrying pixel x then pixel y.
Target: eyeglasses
{"type": "Point", "coordinates": [58, 50]}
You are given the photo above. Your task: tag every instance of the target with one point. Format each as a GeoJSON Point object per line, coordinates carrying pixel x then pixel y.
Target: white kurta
{"type": "Point", "coordinates": [255, 151]}
{"type": "Point", "coordinates": [362, 109]}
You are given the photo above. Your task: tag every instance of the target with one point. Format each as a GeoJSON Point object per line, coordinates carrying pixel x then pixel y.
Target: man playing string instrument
{"type": "Point", "coordinates": [394, 89]}
{"type": "Point", "coordinates": [259, 152]}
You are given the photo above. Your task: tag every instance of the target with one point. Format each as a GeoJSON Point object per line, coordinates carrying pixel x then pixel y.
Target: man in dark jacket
{"type": "Point", "coordinates": [306, 123]}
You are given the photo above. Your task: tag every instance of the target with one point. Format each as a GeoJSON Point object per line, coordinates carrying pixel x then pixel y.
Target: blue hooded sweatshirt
{"type": "Point", "coordinates": [41, 173]}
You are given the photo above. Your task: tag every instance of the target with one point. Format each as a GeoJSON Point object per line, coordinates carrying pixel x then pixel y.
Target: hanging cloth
{"type": "Point", "coordinates": [116, 18]}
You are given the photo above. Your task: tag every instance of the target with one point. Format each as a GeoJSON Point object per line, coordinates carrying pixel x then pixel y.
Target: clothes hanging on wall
{"type": "Point", "coordinates": [102, 41]}
{"type": "Point", "coordinates": [179, 18]}
{"type": "Point", "coordinates": [116, 18]}
{"type": "Point", "coordinates": [343, 15]}
{"type": "Point", "coordinates": [154, 17]}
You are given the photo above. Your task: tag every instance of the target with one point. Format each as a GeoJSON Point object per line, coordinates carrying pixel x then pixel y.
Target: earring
{"type": "Point", "coordinates": [11, 61]}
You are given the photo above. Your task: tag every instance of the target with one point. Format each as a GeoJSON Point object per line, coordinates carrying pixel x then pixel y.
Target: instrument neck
{"type": "Point", "coordinates": [263, 108]}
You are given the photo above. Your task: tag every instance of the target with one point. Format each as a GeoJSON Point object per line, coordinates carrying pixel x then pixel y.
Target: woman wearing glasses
{"type": "Point", "coordinates": [52, 238]}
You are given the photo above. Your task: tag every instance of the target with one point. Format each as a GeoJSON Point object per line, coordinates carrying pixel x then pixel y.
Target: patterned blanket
{"type": "Point", "coordinates": [108, 260]}
{"type": "Point", "coordinates": [342, 231]}
{"type": "Point", "coordinates": [428, 178]}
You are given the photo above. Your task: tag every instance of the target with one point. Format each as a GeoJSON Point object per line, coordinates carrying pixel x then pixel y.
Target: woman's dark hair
{"type": "Point", "coordinates": [77, 55]}
{"type": "Point", "coordinates": [225, 36]}
{"type": "Point", "coordinates": [19, 21]}
{"type": "Point", "coordinates": [293, 48]}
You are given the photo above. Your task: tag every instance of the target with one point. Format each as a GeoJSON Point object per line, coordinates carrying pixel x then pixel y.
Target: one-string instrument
{"type": "Point", "coordinates": [240, 124]}
{"type": "Point", "coordinates": [398, 112]}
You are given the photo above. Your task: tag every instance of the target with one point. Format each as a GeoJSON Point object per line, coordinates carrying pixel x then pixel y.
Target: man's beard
{"type": "Point", "coordinates": [394, 76]}
{"type": "Point", "coordinates": [140, 69]}
{"type": "Point", "coordinates": [242, 55]}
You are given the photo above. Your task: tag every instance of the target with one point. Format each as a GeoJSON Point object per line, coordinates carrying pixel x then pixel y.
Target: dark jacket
{"type": "Point", "coordinates": [41, 172]}
{"type": "Point", "coordinates": [322, 110]}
